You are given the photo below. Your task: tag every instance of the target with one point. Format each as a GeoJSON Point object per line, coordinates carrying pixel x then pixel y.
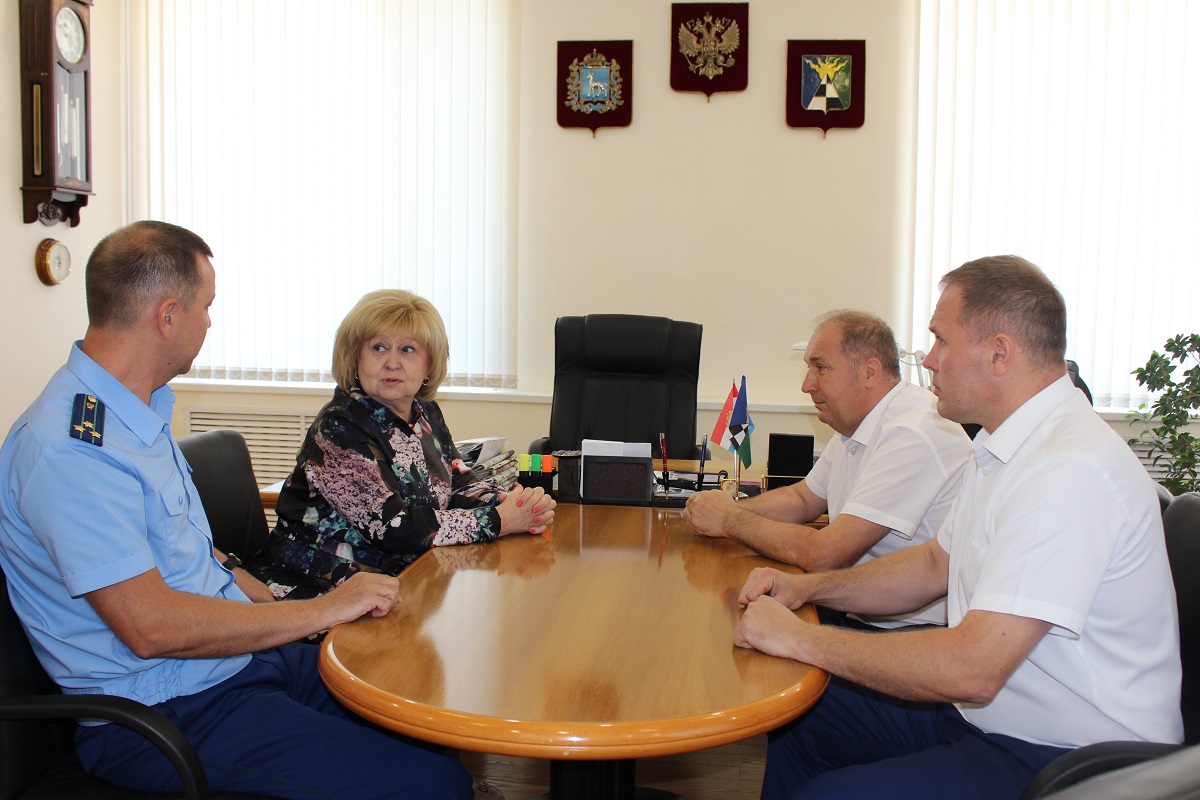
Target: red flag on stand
{"type": "Point", "coordinates": [720, 432]}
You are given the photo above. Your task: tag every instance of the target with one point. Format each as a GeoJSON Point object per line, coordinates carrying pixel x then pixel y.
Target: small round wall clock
{"type": "Point", "coordinates": [53, 262]}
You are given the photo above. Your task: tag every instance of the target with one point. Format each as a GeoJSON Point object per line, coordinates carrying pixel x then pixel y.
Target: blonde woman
{"type": "Point", "coordinates": [378, 480]}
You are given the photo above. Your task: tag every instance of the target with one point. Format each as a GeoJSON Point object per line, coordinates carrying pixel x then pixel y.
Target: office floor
{"type": "Point", "coordinates": [732, 772]}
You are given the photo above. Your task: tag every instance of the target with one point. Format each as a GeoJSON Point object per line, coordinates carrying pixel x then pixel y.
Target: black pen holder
{"type": "Point", "coordinates": [568, 479]}
{"type": "Point", "coordinates": [542, 479]}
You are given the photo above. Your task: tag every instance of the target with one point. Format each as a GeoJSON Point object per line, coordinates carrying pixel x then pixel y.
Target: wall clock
{"type": "Point", "coordinates": [53, 262]}
{"type": "Point", "coordinates": [56, 109]}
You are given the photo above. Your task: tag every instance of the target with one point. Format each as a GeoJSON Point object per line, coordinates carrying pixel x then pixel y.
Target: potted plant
{"type": "Point", "coordinates": [1165, 423]}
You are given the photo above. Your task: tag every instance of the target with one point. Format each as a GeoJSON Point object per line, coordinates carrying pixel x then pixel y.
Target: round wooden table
{"type": "Point", "coordinates": [608, 640]}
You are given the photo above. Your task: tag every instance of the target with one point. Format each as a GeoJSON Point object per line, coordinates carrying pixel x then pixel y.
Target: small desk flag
{"type": "Point", "coordinates": [734, 425]}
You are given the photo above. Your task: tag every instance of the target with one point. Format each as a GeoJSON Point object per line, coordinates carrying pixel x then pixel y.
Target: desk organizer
{"type": "Point", "coordinates": [567, 489]}
{"type": "Point", "coordinates": [620, 480]}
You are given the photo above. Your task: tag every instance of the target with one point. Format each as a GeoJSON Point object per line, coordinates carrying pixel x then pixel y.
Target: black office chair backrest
{"type": "Point", "coordinates": [1181, 522]}
{"type": "Point", "coordinates": [1164, 497]}
{"type": "Point", "coordinates": [224, 477]}
{"type": "Point", "coordinates": [624, 377]}
{"type": "Point", "coordinates": [1073, 371]}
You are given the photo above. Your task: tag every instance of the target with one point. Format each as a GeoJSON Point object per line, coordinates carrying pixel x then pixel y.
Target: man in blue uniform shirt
{"type": "Point", "coordinates": [111, 566]}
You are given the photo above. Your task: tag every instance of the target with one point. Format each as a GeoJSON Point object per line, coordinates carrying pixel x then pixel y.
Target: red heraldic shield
{"type": "Point", "coordinates": [825, 80]}
{"type": "Point", "coordinates": [595, 84]}
{"type": "Point", "coordinates": [710, 47]}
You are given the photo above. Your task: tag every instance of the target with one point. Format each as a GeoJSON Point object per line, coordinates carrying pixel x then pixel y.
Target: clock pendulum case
{"type": "Point", "coordinates": [56, 109]}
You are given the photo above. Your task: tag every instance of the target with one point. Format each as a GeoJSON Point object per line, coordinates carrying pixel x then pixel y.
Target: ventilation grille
{"type": "Point", "coordinates": [274, 437]}
{"type": "Point", "coordinates": [1142, 451]}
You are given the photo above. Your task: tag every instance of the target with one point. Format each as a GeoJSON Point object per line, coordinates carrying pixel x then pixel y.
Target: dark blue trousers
{"type": "Point", "coordinates": [856, 743]}
{"type": "Point", "coordinates": [274, 729]}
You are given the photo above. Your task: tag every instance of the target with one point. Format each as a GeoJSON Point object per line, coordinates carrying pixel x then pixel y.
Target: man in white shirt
{"type": "Point", "coordinates": [1062, 625]}
{"type": "Point", "coordinates": [886, 480]}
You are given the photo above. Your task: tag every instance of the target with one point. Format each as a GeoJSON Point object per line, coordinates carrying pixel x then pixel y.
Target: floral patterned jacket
{"type": "Point", "coordinates": [372, 492]}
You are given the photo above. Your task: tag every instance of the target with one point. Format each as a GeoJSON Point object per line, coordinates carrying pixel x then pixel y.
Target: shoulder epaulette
{"type": "Point", "coordinates": [87, 420]}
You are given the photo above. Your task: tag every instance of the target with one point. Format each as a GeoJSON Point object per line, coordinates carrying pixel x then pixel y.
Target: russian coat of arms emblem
{"type": "Point", "coordinates": [709, 44]}
{"type": "Point", "coordinates": [710, 47]}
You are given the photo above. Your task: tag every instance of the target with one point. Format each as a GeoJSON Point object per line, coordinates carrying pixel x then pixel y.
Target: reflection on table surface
{"type": "Point", "coordinates": [612, 639]}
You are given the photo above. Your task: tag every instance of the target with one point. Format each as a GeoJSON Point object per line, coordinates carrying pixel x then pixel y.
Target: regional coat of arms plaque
{"type": "Point", "coordinates": [825, 80]}
{"type": "Point", "coordinates": [595, 84]}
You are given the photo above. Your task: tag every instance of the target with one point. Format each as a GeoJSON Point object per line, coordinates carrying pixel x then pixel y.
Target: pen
{"type": "Point", "coordinates": [662, 445]}
{"type": "Point", "coordinates": [700, 472]}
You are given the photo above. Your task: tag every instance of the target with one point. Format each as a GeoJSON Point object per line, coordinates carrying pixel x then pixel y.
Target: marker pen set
{"type": "Point", "coordinates": [536, 470]}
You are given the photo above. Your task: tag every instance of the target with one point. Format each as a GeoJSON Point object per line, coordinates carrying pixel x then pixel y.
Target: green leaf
{"type": "Point", "coordinates": [1177, 389]}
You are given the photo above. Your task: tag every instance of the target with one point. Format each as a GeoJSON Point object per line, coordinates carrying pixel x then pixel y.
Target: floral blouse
{"type": "Point", "coordinates": [370, 491]}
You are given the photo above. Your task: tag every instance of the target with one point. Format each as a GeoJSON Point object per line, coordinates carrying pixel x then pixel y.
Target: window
{"type": "Point", "coordinates": [327, 149]}
{"type": "Point", "coordinates": [1064, 131]}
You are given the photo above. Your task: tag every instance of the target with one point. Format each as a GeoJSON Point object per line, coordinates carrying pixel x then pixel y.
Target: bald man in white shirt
{"type": "Point", "coordinates": [886, 480]}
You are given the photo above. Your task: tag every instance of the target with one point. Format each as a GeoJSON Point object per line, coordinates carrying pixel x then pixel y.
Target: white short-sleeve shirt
{"type": "Point", "coordinates": [901, 468]}
{"type": "Point", "coordinates": [1058, 521]}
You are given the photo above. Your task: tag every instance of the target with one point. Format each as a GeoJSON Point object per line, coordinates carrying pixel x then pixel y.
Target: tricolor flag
{"type": "Point", "coordinates": [734, 425]}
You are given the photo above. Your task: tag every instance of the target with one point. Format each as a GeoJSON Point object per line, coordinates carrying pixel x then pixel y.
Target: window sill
{"type": "Point", "coordinates": [468, 393]}
{"type": "Point", "coordinates": [321, 389]}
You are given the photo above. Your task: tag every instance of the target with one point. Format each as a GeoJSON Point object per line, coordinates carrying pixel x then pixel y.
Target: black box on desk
{"type": "Point", "coordinates": [568, 479]}
{"type": "Point", "coordinates": [618, 480]}
{"type": "Point", "coordinates": [789, 458]}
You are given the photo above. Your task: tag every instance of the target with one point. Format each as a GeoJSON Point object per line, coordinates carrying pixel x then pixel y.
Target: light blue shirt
{"type": "Point", "coordinates": [76, 517]}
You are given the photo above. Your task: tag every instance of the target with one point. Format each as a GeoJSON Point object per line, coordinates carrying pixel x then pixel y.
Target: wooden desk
{"type": "Point", "coordinates": [612, 641]}
{"type": "Point", "coordinates": [270, 494]}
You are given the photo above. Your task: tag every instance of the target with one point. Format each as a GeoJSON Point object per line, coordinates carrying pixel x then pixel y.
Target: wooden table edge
{"type": "Point", "coordinates": [549, 740]}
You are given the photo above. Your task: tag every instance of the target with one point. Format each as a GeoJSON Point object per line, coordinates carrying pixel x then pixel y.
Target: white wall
{"type": "Point", "coordinates": [713, 212]}
{"type": "Point", "coordinates": [39, 322]}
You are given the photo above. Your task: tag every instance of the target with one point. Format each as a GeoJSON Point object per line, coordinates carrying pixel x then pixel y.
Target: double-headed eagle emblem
{"type": "Point", "coordinates": [709, 44]}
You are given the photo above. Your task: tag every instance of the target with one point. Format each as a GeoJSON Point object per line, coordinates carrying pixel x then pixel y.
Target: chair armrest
{"type": "Point", "coordinates": [1091, 760]}
{"type": "Point", "coordinates": [137, 717]}
{"type": "Point", "coordinates": [540, 446]}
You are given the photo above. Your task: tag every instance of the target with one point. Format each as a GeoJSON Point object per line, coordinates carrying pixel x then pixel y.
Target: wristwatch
{"type": "Point", "coordinates": [231, 561]}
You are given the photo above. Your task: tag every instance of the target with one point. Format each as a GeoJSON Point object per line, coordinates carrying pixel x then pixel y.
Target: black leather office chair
{"type": "Point", "coordinates": [37, 722]}
{"type": "Point", "coordinates": [1181, 522]}
{"type": "Point", "coordinates": [624, 377]}
{"type": "Point", "coordinates": [1073, 371]}
{"type": "Point", "coordinates": [1172, 777]}
{"type": "Point", "coordinates": [224, 477]}
{"type": "Point", "coordinates": [1164, 497]}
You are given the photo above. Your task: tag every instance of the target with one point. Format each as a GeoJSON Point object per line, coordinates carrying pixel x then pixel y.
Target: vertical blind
{"type": "Point", "coordinates": [1065, 131]}
{"type": "Point", "coordinates": [326, 149]}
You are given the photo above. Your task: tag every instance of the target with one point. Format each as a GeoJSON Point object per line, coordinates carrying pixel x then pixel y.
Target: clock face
{"type": "Point", "coordinates": [68, 33]}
